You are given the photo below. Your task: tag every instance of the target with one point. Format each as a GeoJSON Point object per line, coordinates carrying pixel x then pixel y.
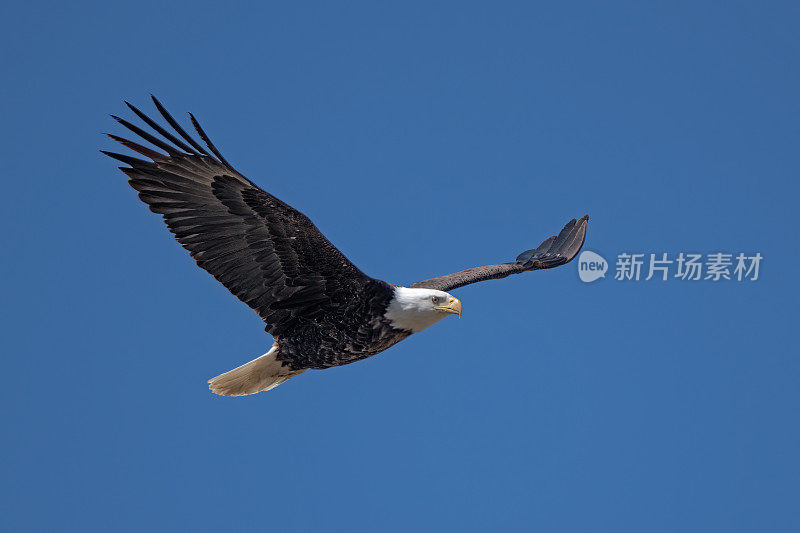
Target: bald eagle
{"type": "Point", "coordinates": [320, 309]}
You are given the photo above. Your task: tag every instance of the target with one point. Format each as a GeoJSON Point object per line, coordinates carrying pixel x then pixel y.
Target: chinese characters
{"type": "Point", "coordinates": [717, 266]}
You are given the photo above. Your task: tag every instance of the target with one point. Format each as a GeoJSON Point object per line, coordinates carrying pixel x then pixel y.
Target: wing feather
{"type": "Point", "coordinates": [552, 252]}
{"type": "Point", "coordinates": [268, 254]}
{"type": "Point", "coordinates": [177, 127]}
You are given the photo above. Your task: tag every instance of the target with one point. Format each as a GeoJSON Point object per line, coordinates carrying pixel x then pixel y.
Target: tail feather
{"type": "Point", "coordinates": [260, 374]}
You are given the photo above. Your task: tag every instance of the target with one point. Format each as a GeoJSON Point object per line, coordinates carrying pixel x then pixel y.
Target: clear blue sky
{"type": "Point", "coordinates": [552, 405]}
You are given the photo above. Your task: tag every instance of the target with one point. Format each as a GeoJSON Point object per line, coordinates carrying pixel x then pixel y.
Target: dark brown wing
{"type": "Point", "coordinates": [268, 254]}
{"type": "Point", "coordinates": [554, 251]}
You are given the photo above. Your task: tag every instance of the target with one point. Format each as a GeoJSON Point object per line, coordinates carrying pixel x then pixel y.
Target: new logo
{"type": "Point", "coordinates": [591, 266]}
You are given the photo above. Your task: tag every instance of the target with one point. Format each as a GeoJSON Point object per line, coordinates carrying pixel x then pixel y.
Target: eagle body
{"type": "Point", "coordinates": [320, 309]}
{"type": "Point", "coordinates": [356, 329]}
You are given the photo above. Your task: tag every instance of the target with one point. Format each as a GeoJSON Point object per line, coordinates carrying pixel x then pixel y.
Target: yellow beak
{"type": "Point", "coordinates": [453, 307]}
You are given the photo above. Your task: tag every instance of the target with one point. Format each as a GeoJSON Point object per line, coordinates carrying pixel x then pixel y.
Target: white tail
{"type": "Point", "coordinates": [260, 374]}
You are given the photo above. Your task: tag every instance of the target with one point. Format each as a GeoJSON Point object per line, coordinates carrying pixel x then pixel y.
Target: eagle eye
{"type": "Point", "coordinates": [435, 299]}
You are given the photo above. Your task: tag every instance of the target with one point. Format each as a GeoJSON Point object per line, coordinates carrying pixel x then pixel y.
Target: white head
{"type": "Point", "coordinates": [416, 309]}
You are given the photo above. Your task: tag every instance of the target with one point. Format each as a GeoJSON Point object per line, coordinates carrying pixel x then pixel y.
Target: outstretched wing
{"type": "Point", "coordinates": [268, 254]}
{"type": "Point", "coordinates": [554, 251]}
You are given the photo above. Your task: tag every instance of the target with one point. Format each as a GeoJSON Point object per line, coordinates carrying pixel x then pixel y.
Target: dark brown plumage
{"type": "Point", "coordinates": [554, 251]}
{"type": "Point", "coordinates": [268, 254]}
{"type": "Point", "coordinates": [320, 308]}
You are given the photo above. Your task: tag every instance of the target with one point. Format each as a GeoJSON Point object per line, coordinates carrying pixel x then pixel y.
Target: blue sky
{"type": "Point", "coordinates": [552, 405]}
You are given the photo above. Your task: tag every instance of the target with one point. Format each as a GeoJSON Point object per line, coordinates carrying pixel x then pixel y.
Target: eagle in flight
{"type": "Point", "coordinates": [320, 309]}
